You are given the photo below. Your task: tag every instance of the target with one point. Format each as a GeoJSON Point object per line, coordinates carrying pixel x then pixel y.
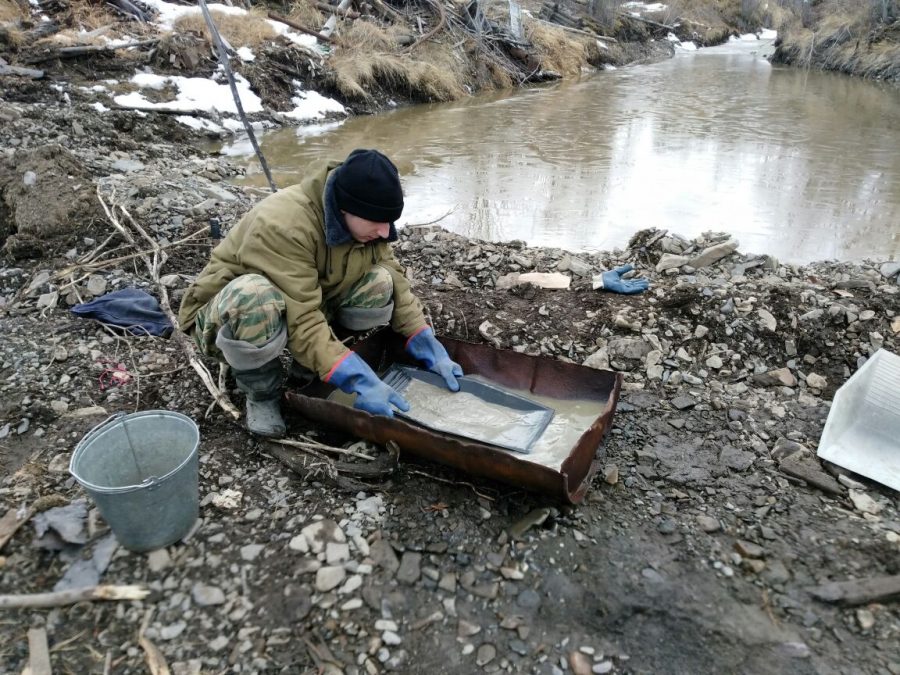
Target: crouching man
{"type": "Point", "coordinates": [303, 259]}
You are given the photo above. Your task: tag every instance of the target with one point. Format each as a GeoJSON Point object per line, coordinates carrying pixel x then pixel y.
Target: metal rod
{"type": "Point", "coordinates": [223, 59]}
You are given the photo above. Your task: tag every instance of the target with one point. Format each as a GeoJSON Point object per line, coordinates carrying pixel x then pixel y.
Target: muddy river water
{"type": "Point", "coordinates": [802, 165]}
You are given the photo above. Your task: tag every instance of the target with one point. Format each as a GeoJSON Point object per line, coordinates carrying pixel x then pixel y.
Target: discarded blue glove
{"type": "Point", "coordinates": [425, 347]}
{"type": "Point", "coordinates": [353, 375]}
{"type": "Point", "coordinates": [129, 308]}
{"type": "Point", "coordinates": [613, 282]}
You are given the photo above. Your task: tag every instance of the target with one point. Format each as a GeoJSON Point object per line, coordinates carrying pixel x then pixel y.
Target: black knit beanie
{"type": "Point", "coordinates": [367, 185]}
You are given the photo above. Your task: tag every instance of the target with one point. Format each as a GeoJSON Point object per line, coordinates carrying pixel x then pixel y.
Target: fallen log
{"type": "Point", "coordinates": [569, 29]}
{"type": "Point", "coordinates": [72, 596]}
{"type": "Point", "coordinates": [303, 29]}
{"type": "Point", "coordinates": [6, 69]}
{"type": "Point", "coordinates": [649, 22]}
{"type": "Point", "coordinates": [81, 50]}
{"type": "Point", "coordinates": [858, 591]}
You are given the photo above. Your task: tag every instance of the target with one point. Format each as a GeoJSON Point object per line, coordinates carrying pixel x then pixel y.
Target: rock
{"type": "Point", "coordinates": [321, 532]}
{"type": "Point", "coordinates": [172, 631]}
{"type": "Point", "coordinates": [251, 551]}
{"type": "Point", "coordinates": [328, 578]}
{"type": "Point", "coordinates": [670, 261]}
{"type": "Point", "coordinates": [708, 523]}
{"type": "Point", "coordinates": [767, 320]}
{"type": "Point", "coordinates": [335, 553]}
{"type": "Point", "coordinates": [580, 663]}
{"type": "Point", "coordinates": [96, 285]}
{"type": "Point", "coordinates": [890, 269]}
{"type": "Point", "coordinates": [735, 459]}
{"type": "Point", "coordinates": [780, 377]}
{"type": "Point", "coordinates": [390, 638]}
{"type": "Point", "coordinates": [684, 402]}
{"type": "Point", "coordinates": [816, 381]}
{"type": "Point", "coordinates": [159, 560]}
{"type": "Point", "coordinates": [486, 654]}
{"type": "Point", "coordinates": [507, 281]}
{"type": "Point", "coordinates": [383, 555]}
{"type": "Point", "coordinates": [599, 359]}
{"type": "Point", "coordinates": [206, 596]}
{"type": "Point", "coordinates": [602, 668]}
{"type": "Point", "coordinates": [713, 254]}
{"type": "Point", "coordinates": [748, 549]}
{"type": "Point", "coordinates": [634, 349]}
{"type": "Point", "coordinates": [865, 618]}
{"type": "Point", "coordinates": [575, 266]}
{"type": "Point", "coordinates": [466, 629]}
{"type": "Point", "coordinates": [714, 362]}
{"type": "Point", "coordinates": [864, 503]}
{"type": "Point", "coordinates": [611, 474]}
{"type": "Point", "coordinates": [299, 543]}
{"type": "Point", "coordinates": [410, 568]}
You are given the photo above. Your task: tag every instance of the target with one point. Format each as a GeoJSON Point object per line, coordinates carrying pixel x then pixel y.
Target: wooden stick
{"type": "Point", "coordinates": [81, 50]}
{"type": "Point", "coordinates": [331, 23]}
{"type": "Point", "coordinates": [21, 72]}
{"type": "Point", "coordinates": [313, 445]}
{"type": "Point", "coordinates": [604, 38]}
{"type": "Point", "coordinates": [303, 29]}
{"type": "Point", "coordinates": [180, 338]}
{"type": "Point", "coordinates": [156, 662]}
{"type": "Point", "coordinates": [443, 20]}
{"type": "Point", "coordinates": [38, 653]}
{"type": "Point", "coordinates": [72, 596]}
{"type": "Point", "coordinates": [10, 524]}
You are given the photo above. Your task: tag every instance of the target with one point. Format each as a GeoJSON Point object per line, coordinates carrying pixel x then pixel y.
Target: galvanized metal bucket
{"type": "Point", "coordinates": [141, 471]}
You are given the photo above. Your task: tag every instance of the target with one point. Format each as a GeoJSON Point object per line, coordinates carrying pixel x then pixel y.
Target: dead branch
{"type": "Point", "coordinates": [303, 29]}
{"type": "Point", "coordinates": [6, 69]}
{"type": "Point", "coordinates": [156, 662]}
{"type": "Point", "coordinates": [347, 14]}
{"type": "Point", "coordinates": [442, 21]}
{"type": "Point", "coordinates": [81, 50]}
{"type": "Point", "coordinates": [183, 341]}
{"type": "Point", "coordinates": [331, 23]}
{"type": "Point", "coordinates": [570, 29]}
{"type": "Point", "coordinates": [72, 596]}
{"type": "Point", "coordinates": [309, 444]}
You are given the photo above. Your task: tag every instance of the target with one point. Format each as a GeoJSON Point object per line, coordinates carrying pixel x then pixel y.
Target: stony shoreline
{"type": "Point", "coordinates": [694, 552]}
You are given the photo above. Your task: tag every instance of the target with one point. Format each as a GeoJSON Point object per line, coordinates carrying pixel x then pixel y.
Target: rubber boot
{"type": "Point", "coordinates": [263, 389]}
{"type": "Point", "coordinates": [257, 373]}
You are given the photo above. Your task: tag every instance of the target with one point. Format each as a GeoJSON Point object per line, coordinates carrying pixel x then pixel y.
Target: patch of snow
{"type": "Point", "coordinates": [99, 107]}
{"type": "Point", "coordinates": [198, 123]}
{"type": "Point", "coordinates": [768, 34]}
{"type": "Point", "coordinates": [297, 38]}
{"type": "Point", "coordinates": [240, 148]}
{"type": "Point", "coordinates": [246, 54]}
{"type": "Point", "coordinates": [169, 13]}
{"type": "Point", "coordinates": [194, 93]}
{"type": "Point", "coordinates": [646, 6]}
{"type": "Point", "coordinates": [99, 88]}
{"type": "Point", "coordinates": [686, 46]}
{"type": "Point", "coordinates": [671, 37]}
{"type": "Point", "coordinates": [234, 125]}
{"type": "Point", "coordinates": [311, 105]}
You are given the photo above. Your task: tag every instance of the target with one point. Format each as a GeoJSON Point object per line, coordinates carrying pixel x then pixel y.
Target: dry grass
{"type": "Point", "coordinates": [247, 30]}
{"type": "Point", "coordinates": [375, 61]}
{"type": "Point", "coordinates": [306, 14]}
{"type": "Point", "coordinates": [90, 16]}
{"type": "Point", "coordinates": [846, 37]}
{"type": "Point", "coordinates": [558, 50]}
{"type": "Point", "coordinates": [10, 11]}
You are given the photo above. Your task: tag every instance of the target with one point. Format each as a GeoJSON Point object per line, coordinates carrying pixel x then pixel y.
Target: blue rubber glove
{"type": "Point", "coordinates": [425, 347]}
{"type": "Point", "coordinates": [353, 375]}
{"type": "Point", "coordinates": [613, 282]}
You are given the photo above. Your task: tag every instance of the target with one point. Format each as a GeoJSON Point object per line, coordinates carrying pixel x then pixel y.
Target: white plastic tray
{"type": "Point", "coordinates": [862, 432]}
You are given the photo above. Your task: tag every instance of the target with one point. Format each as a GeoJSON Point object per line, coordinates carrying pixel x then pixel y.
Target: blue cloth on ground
{"type": "Point", "coordinates": [130, 308]}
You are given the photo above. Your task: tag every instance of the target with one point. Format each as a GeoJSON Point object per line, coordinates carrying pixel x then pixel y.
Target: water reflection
{"type": "Point", "coordinates": [799, 164]}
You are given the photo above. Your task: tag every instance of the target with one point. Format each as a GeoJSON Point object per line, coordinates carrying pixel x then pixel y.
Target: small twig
{"type": "Point", "coordinates": [436, 220]}
{"type": "Point", "coordinates": [70, 597]}
{"type": "Point", "coordinates": [451, 482]}
{"type": "Point", "coordinates": [314, 445]}
{"type": "Point", "coordinates": [156, 662]}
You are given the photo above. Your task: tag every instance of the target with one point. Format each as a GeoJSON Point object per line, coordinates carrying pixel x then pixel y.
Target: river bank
{"type": "Point", "coordinates": [695, 551]}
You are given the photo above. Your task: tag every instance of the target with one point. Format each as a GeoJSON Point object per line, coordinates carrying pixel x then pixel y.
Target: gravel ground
{"type": "Point", "coordinates": [695, 550]}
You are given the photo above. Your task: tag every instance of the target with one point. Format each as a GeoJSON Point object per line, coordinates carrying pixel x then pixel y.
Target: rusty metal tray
{"type": "Point", "coordinates": [535, 374]}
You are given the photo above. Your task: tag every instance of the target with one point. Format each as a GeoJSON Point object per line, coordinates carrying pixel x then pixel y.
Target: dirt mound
{"type": "Point", "coordinates": [47, 196]}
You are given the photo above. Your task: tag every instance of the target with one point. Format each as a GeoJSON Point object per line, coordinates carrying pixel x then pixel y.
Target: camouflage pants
{"type": "Point", "coordinates": [253, 308]}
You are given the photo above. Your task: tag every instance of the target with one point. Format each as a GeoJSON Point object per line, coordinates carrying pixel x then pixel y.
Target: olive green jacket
{"type": "Point", "coordinates": [284, 238]}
